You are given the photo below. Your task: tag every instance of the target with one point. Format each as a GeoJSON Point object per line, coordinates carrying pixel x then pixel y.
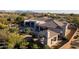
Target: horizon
{"type": "Point", "coordinates": [58, 11]}
{"type": "Point", "coordinates": [46, 11]}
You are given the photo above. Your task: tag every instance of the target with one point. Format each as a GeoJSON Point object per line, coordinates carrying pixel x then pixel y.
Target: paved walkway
{"type": "Point", "coordinates": [68, 44]}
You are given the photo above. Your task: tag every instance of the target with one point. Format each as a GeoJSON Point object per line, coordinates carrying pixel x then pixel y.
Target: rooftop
{"type": "Point", "coordinates": [52, 33]}
{"type": "Point", "coordinates": [50, 23]}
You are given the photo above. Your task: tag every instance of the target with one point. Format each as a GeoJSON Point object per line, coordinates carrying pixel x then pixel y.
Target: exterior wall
{"type": "Point", "coordinates": [51, 40]}
{"type": "Point", "coordinates": [67, 31]}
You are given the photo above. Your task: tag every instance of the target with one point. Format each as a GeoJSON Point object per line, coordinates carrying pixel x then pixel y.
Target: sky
{"type": "Point", "coordinates": [55, 5]}
{"type": "Point", "coordinates": [59, 11]}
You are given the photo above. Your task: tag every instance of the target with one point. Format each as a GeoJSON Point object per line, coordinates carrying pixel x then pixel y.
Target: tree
{"type": "Point", "coordinates": [2, 26]}
{"type": "Point", "coordinates": [3, 38]}
{"type": "Point", "coordinates": [35, 46]}
{"type": "Point", "coordinates": [42, 35]}
{"type": "Point", "coordinates": [14, 38]}
{"type": "Point", "coordinates": [21, 45]}
{"type": "Point", "coordinates": [24, 44]}
{"type": "Point", "coordinates": [46, 47]}
{"type": "Point", "coordinates": [65, 38]}
{"type": "Point", "coordinates": [23, 14]}
{"type": "Point", "coordinates": [71, 14]}
{"type": "Point", "coordinates": [13, 29]}
{"type": "Point", "coordinates": [28, 31]}
{"type": "Point", "coordinates": [19, 19]}
{"type": "Point", "coordinates": [75, 20]}
{"type": "Point", "coordinates": [3, 20]}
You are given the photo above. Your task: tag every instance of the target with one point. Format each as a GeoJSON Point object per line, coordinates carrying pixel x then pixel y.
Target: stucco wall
{"type": "Point", "coordinates": [53, 42]}
{"type": "Point", "coordinates": [48, 40]}
{"type": "Point", "coordinates": [67, 31]}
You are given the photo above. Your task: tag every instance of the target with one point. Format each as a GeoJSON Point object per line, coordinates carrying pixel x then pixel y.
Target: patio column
{"type": "Point", "coordinates": [30, 24]}
{"type": "Point", "coordinates": [39, 28]}
{"type": "Point", "coordinates": [34, 26]}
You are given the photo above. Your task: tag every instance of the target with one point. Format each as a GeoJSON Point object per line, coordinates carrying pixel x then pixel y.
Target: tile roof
{"type": "Point", "coordinates": [59, 23]}
{"type": "Point", "coordinates": [48, 24]}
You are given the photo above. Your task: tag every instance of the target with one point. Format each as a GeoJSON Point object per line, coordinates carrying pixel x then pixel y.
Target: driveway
{"type": "Point", "coordinates": [68, 44]}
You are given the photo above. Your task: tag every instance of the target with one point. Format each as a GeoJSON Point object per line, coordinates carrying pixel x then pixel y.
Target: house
{"type": "Point", "coordinates": [48, 28]}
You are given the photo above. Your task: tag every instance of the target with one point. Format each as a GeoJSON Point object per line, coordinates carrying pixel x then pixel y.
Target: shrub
{"type": "Point", "coordinates": [13, 29]}
{"type": "Point", "coordinates": [14, 38]}
{"type": "Point", "coordinates": [2, 26]}
{"type": "Point", "coordinates": [24, 44]}
{"type": "Point", "coordinates": [28, 31]}
{"type": "Point", "coordinates": [35, 46]}
{"type": "Point", "coordinates": [19, 19]}
{"type": "Point", "coordinates": [76, 21]}
{"type": "Point", "coordinates": [3, 20]}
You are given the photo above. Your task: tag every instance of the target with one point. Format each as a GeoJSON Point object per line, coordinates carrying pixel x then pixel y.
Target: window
{"type": "Point", "coordinates": [54, 39]}
{"type": "Point", "coordinates": [41, 29]}
{"type": "Point", "coordinates": [27, 24]}
{"type": "Point", "coordinates": [32, 24]}
{"type": "Point", "coordinates": [37, 28]}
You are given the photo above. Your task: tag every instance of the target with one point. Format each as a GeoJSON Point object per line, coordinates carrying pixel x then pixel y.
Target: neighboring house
{"type": "Point", "coordinates": [50, 29]}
